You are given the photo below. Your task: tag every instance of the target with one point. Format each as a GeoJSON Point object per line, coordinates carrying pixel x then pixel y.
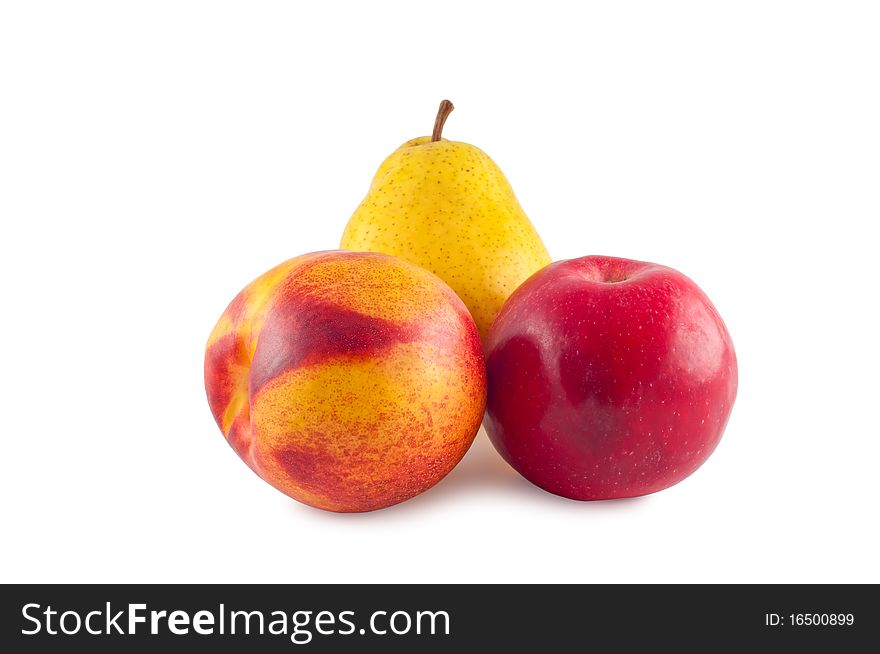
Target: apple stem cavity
{"type": "Point", "coordinates": [443, 112]}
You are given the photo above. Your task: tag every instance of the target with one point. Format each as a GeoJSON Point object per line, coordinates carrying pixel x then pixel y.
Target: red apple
{"type": "Point", "coordinates": [608, 378]}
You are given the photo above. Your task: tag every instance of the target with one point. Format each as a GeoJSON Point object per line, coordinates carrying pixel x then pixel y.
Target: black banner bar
{"type": "Point", "coordinates": [429, 618]}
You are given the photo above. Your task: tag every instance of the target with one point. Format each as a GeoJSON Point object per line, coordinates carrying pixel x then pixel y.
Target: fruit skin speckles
{"type": "Point", "coordinates": [608, 378]}
{"type": "Point", "coordinates": [350, 381]}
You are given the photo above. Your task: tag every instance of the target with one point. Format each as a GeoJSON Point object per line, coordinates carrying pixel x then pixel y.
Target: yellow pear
{"type": "Point", "coordinates": [446, 206]}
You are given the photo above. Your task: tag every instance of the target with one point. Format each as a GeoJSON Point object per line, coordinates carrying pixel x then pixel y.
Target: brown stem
{"type": "Point", "coordinates": [443, 112]}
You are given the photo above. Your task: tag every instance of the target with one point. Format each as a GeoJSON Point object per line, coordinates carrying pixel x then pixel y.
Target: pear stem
{"type": "Point", "coordinates": [443, 112]}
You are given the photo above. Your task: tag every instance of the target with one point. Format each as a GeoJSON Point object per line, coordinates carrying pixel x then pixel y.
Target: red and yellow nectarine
{"type": "Point", "coordinates": [349, 381]}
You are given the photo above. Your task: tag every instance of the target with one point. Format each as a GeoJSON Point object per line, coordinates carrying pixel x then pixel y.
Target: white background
{"type": "Point", "coordinates": [155, 157]}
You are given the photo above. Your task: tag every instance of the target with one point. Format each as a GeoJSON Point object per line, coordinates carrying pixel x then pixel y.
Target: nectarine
{"type": "Point", "coordinates": [350, 381]}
